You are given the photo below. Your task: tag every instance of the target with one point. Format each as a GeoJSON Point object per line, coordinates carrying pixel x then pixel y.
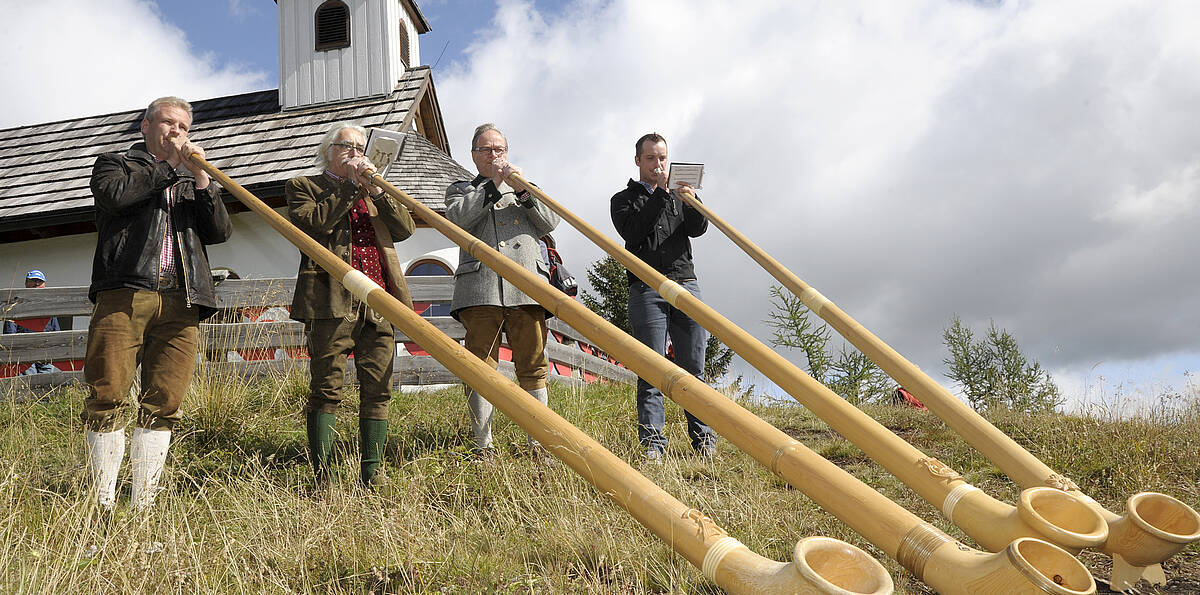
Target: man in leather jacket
{"type": "Point", "coordinates": [156, 210]}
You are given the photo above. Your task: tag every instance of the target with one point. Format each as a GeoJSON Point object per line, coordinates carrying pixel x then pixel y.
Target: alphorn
{"type": "Point", "coordinates": [1027, 565]}
{"type": "Point", "coordinates": [819, 564]}
{"type": "Point", "coordinates": [1045, 513]}
{"type": "Point", "coordinates": [1154, 527]}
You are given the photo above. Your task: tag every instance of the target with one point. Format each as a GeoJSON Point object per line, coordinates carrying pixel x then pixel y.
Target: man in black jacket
{"type": "Point", "coordinates": [156, 210]}
{"type": "Point", "coordinates": [657, 227]}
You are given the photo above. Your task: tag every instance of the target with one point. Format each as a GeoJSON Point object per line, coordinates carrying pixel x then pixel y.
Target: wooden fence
{"type": "Point", "coordinates": [251, 336]}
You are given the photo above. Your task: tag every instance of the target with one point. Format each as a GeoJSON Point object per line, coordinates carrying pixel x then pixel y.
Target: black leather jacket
{"type": "Point", "coordinates": [131, 219]}
{"type": "Point", "coordinates": [657, 228]}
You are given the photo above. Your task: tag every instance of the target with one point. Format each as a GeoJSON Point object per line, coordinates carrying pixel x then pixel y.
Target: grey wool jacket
{"type": "Point", "coordinates": [510, 226]}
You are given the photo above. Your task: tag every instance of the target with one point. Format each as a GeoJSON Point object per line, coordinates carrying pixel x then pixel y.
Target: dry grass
{"type": "Point", "coordinates": [240, 514]}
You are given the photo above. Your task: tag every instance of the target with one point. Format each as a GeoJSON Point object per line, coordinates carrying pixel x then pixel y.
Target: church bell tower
{"type": "Point", "coordinates": [339, 50]}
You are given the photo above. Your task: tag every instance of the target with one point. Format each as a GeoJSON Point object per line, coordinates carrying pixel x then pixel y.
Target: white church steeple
{"type": "Point", "coordinates": [337, 50]}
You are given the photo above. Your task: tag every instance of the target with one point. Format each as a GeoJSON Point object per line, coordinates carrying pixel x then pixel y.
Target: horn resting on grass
{"type": "Point", "coordinates": [1154, 526]}
{"type": "Point", "coordinates": [1027, 565]}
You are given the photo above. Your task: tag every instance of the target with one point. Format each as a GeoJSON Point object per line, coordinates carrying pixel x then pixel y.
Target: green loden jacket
{"type": "Point", "coordinates": [320, 206]}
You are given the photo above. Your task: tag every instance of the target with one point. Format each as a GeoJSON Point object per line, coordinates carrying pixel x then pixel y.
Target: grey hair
{"type": "Point", "coordinates": [482, 128]}
{"type": "Point", "coordinates": [161, 102]}
{"type": "Point", "coordinates": [322, 158]}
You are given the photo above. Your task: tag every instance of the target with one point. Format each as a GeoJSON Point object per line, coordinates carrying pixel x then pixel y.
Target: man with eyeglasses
{"type": "Point", "coordinates": [156, 210]}
{"type": "Point", "coordinates": [343, 211]}
{"type": "Point", "coordinates": [484, 302]}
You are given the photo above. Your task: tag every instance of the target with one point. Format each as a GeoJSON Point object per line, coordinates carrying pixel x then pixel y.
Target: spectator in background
{"type": "Point", "coordinates": [35, 279]}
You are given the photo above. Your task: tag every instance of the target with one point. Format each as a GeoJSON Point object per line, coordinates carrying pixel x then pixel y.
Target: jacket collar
{"type": "Point", "coordinates": [640, 188]}
{"type": "Point", "coordinates": [139, 153]}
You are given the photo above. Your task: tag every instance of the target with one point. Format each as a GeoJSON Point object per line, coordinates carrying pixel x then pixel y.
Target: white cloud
{"type": "Point", "coordinates": [88, 58]}
{"type": "Point", "coordinates": [239, 10]}
{"type": "Point", "coordinates": [910, 160]}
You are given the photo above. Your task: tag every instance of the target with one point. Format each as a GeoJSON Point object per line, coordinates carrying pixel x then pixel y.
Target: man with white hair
{"type": "Point", "coordinates": [156, 210]}
{"type": "Point", "coordinates": [342, 210]}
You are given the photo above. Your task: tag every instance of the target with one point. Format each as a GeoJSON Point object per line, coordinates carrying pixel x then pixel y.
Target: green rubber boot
{"type": "Point", "coordinates": [372, 436]}
{"type": "Point", "coordinates": [320, 443]}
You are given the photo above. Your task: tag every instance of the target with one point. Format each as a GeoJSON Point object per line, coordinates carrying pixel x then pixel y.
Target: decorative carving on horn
{"type": "Point", "coordinates": [705, 526]}
{"type": "Point", "coordinates": [1061, 482]}
{"type": "Point", "coordinates": [937, 468]}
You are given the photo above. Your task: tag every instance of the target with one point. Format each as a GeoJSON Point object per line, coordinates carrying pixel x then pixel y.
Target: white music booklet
{"type": "Point", "coordinates": [691, 173]}
{"type": "Point", "coordinates": [383, 147]}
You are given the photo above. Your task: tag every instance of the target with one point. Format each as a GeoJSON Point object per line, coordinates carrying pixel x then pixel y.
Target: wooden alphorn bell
{"type": "Point", "coordinates": [1154, 526]}
{"type": "Point", "coordinates": [1044, 513]}
{"type": "Point", "coordinates": [819, 564]}
{"type": "Point", "coordinates": [1027, 565]}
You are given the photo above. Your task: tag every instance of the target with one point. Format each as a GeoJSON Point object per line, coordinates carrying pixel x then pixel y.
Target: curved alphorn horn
{"type": "Point", "coordinates": [1044, 513]}
{"type": "Point", "coordinates": [1154, 527]}
{"type": "Point", "coordinates": [1027, 565]}
{"type": "Point", "coordinates": [819, 564]}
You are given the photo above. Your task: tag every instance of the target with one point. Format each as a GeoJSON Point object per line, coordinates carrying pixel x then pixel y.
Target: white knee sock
{"type": "Point", "coordinates": [148, 454]}
{"type": "Point", "coordinates": [105, 450]}
{"type": "Point", "coordinates": [481, 420]}
{"type": "Point", "coordinates": [543, 397]}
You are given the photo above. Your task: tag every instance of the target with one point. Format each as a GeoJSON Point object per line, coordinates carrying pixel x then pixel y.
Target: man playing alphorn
{"type": "Point", "coordinates": [151, 286]}
{"type": "Point", "coordinates": [356, 220]}
{"type": "Point", "coordinates": [657, 226]}
{"type": "Point", "coordinates": [486, 304]}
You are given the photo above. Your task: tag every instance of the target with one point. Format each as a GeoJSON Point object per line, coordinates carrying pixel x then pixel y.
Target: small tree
{"type": "Point", "coordinates": [717, 358]}
{"type": "Point", "coordinates": [852, 375]}
{"type": "Point", "coordinates": [793, 329]}
{"type": "Point", "coordinates": [994, 373]}
{"type": "Point", "coordinates": [857, 379]}
{"type": "Point", "coordinates": [607, 277]}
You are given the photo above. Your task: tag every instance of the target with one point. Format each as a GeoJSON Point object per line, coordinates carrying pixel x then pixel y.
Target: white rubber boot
{"type": "Point", "coordinates": [543, 397]}
{"type": "Point", "coordinates": [105, 450]}
{"type": "Point", "coordinates": [148, 454]}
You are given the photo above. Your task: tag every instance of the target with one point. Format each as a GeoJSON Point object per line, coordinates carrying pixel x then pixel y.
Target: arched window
{"type": "Point", "coordinates": [332, 26]}
{"type": "Point", "coordinates": [427, 268]}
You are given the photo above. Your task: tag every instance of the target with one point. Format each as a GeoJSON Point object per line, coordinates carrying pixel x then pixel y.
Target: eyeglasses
{"type": "Point", "coordinates": [351, 147]}
{"type": "Point", "coordinates": [492, 150]}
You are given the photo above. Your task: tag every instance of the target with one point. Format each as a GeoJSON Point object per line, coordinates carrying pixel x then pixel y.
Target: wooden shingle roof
{"type": "Point", "coordinates": [45, 168]}
{"type": "Point", "coordinates": [424, 171]}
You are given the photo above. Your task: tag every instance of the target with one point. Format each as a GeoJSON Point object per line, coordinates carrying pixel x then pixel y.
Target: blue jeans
{"type": "Point", "coordinates": [653, 320]}
{"type": "Point", "coordinates": [39, 368]}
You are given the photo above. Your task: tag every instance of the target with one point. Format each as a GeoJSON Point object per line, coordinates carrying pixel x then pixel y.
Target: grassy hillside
{"type": "Point", "coordinates": [239, 514]}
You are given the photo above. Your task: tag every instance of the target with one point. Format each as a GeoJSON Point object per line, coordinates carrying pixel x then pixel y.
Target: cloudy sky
{"type": "Point", "coordinates": [1030, 163]}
